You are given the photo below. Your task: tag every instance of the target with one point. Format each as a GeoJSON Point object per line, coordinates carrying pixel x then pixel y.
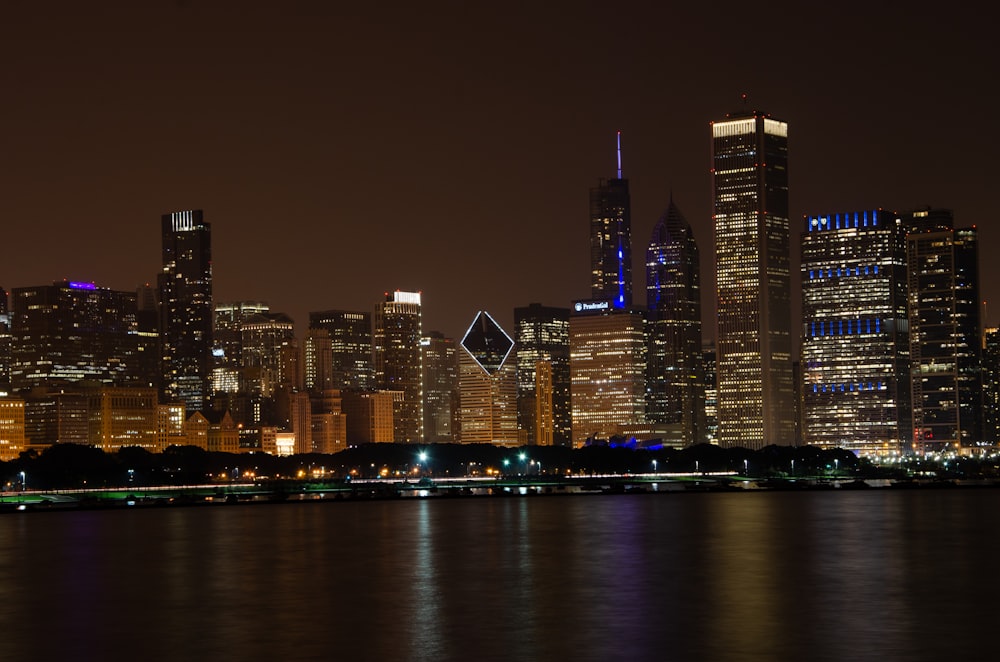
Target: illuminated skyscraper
{"type": "Point", "coordinates": [945, 331]}
{"type": "Point", "coordinates": [544, 414]}
{"type": "Point", "coordinates": [267, 341]}
{"type": "Point", "coordinates": [991, 385]}
{"type": "Point", "coordinates": [5, 343]}
{"type": "Point", "coordinates": [350, 347]}
{"type": "Point", "coordinates": [73, 331]}
{"type": "Point", "coordinates": [855, 346]}
{"type": "Point", "coordinates": [754, 343]}
{"type": "Point", "coordinates": [675, 381]}
{"type": "Point", "coordinates": [398, 363]}
{"type": "Point", "coordinates": [185, 286]}
{"type": "Point", "coordinates": [611, 240]}
{"type": "Point", "coordinates": [441, 399]}
{"type": "Point", "coordinates": [607, 371]}
{"type": "Point", "coordinates": [487, 384]}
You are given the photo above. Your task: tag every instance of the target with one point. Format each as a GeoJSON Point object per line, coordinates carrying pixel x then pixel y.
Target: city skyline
{"type": "Point", "coordinates": [317, 149]}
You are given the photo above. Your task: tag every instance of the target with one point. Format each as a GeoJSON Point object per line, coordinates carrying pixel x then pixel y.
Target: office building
{"type": "Point", "coordinates": [855, 337]}
{"type": "Point", "coordinates": [350, 335]}
{"type": "Point", "coordinates": [185, 293]}
{"type": "Point", "coordinates": [675, 380]}
{"type": "Point", "coordinates": [607, 371]}
{"type": "Point", "coordinates": [6, 343]}
{"type": "Point", "coordinates": [753, 327]}
{"type": "Point", "coordinates": [71, 331]}
{"type": "Point", "coordinates": [12, 431]}
{"type": "Point", "coordinates": [441, 399]}
{"type": "Point", "coordinates": [708, 356]}
{"type": "Point", "coordinates": [544, 414]}
{"type": "Point", "coordinates": [123, 416]}
{"type": "Point", "coordinates": [398, 363]}
{"type": "Point", "coordinates": [945, 331]}
{"type": "Point", "coordinates": [267, 343]}
{"type": "Point", "coordinates": [991, 385]}
{"type": "Point", "coordinates": [611, 240]}
{"type": "Point", "coordinates": [488, 384]}
{"type": "Point", "coordinates": [317, 360]}
{"type": "Point", "coordinates": [369, 416]}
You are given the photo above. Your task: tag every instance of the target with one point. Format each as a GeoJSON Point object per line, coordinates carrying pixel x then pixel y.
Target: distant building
{"type": "Point", "coordinates": [856, 340]}
{"type": "Point", "coordinates": [753, 281]}
{"type": "Point", "coordinates": [945, 331]}
{"type": "Point", "coordinates": [267, 340]}
{"type": "Point", "coordinates": [675, 379]}
{"type": "Point", "coordinates": [185, 288]}
{"type": "Point", "coordinates": [991, 385]}
{"type": "Point", "coordinates": [12, 437]}
{"type": "Point", "coordinates": [6, 340]}
{"type": "Point", "coordinates": [329, 424]}
{"type": "Point", "coordinates": [227, 338]}
{"type": "Point", "coordinates": [611, 240]}
{"type": "Point", "coordinates": [607, 370]}
{"type": "Point", "coordinates": [317, 360]}
{"type": "Point", "coordinates": [711, 394]}
{"type": "Point", "coordinates": [119, 417]}
{"type": "Point", "coordinates": [487, 384]}
{"type": "Point", "coordinates": [441, 400]}
{"type": "Point", "coordinates": [69, 332]}
{"type": "Point", "coordinates": [369, 416]}
{"type": "Point", "coordinates": [544, 413]}
{"type": "Point", "coordinates": [56, 416]}
{"type": "Point", "coordinates": [396, 336]}
{"type": "Point", "coordinates": [350, 334]}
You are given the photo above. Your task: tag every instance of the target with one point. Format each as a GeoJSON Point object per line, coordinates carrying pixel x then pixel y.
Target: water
{"type": "Point", "coordinates": [877, 574]}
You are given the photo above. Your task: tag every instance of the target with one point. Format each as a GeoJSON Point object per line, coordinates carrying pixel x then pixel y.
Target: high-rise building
{"type": "Point", "coordinates": [753, 332]}
{"type": "Point", "coordinates": [185, 288]}
{"type": "Point", "coordinates": [611, 240]}
{"type": "Point", "coordinates": [265, 343]}
{"type": "Point", "coordinates": [441, 400]}
{"type": "Point", "coordinates": [68, 332]}
{"type": "Point", "coordinates": [855, 338]}
{"type": "Point", "coordinates": [991, 385]}
{"type": "Point", "coordinates": [541, 335]}
{"type": "Point", "coordinates": [675, 379]}
{"type": "Point", "coordinates": [487, 384]}
{"type": "Point", "coordinates": [317, 360]}
{"type": "Point", "coordinates": [369, 416]}
{"type": "Point", "coordinates": [708, 355]}
{"type": "Point", "coordinates": [350, 347]}
{"type": "Point", "coordinates": [12, 436]}
{"type": "Point", "coordinates": [397, 360]}
{"type": "Point", "coordinates": [123, 416]}
{"type": "Point", "coordinates": [6, 343]}
{"type": "Point", "coordinates": [227, 333]}
{"type": "Point", "coordinates": [607, 370]}
{"type": "Point", "coordinates": [945, 331]}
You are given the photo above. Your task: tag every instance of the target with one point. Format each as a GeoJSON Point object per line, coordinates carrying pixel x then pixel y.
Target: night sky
{"type": "Point", "coordinates": [340, 150]}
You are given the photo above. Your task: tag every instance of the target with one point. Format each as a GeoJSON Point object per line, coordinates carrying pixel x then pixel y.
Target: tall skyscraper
{"type": "Point", "coordinates": [991, 385]}
{"type": "Point", "coordinates": [68, 332]}
{"type": "Point", "coordinates": [754, 341]}
{"type": "Point", "coordinates": [6, 341]}
{"type": "Point", "coordinates": [317, 360]}
{"type": "Point", "coordinates": [267, 340]}
{"type": "Point", "coordinates": [350, 347]}
{"type": "Point", "coordinates": [487, 384]}
{"type": "Point", "coordinates": [441, 399]}
{"type": "Point", "coordinates": [544, 413]}
{"type": "Point", "coordinates": [675, 381]}
{"type": "Point", "coordinates": [396, 335]}
{"type": "Point", "coordinates": [945, 331]}
{"type": "Point", "coordinates": [856, 342]}
{"type": "Point", "coordinates": [611, 240]}
{"type": "Point", "coordinates": [185, 286]}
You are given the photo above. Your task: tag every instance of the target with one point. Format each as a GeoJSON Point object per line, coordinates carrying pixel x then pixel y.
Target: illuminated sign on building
{"type": "Point", "coordinates": [598, 306]}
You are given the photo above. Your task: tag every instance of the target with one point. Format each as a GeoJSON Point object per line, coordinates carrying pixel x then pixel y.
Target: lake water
{"type": "Point", "coordinates": [833, 575]}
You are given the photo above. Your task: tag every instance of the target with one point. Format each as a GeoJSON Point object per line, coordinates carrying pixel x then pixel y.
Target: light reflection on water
{"type": "Point", "coordinates": [819, 575]}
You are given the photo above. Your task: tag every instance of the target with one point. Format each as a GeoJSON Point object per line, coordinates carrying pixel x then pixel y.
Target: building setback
{"type": "Point", "coordinates": [856, 342]}
{"type": "Point", "coordinates": [753, 328]}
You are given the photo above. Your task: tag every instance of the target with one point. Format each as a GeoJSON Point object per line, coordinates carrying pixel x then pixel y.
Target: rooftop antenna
{"type": "Point", "coordinates": [619, 155]}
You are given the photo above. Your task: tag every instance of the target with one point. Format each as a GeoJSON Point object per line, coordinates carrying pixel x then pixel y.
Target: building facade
{"type": "Point", "coordinates": [488, 384]}
{"type": "Point", "coordinates": [185, 293]}
{"type": "Point", "coordinates": [544, 413]}
{"type": "Point", "coordinates": [350, 334]}
{"type": "Point", "coordinates": [675, 378]}
{"type": "Point", "coordinates": [855, 333]}
{"type": "Point", "coordinates": [441, 399]}
{"type": "Point", "coordinates": [611, 240]}
{"type": "Point", "coordinates": [753, 284]}
{"type": "Point", "coordinates": [396, 335]}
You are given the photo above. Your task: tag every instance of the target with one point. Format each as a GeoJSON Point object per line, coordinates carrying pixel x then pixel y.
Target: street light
{"type": "Point", "coordinates": [654, 466]}
{"type": "Point", "coordinates": [746, 468]}
{"type": "Point", "coordinates": [24, 483]}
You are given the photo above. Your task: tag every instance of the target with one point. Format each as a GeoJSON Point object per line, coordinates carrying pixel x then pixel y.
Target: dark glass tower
{"type": "Point", "coordinates": [945, 331]}
{"type": "Point", "coordinates": [350, 347]}
{"type": "Point", "coordinates": [185, 286]}
{"type": "Point", "coordinates": [754, 342]}
{"type": "Point", "coordinates": [611, 240]}
{"type": "Point", "coordinates": [675, 381]}
{"type": "Point", "coordinates": [856, 343]}
{"type": "Point", "coordinates": [398, 361]}
{"type": "Point", "coordinates": [542, 343]}
{"type": "Point", "coordinates": [441, 397]}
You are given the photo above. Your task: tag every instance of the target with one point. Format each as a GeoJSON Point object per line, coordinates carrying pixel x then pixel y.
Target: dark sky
{"type": "Point", "coordinates": [340, 150]}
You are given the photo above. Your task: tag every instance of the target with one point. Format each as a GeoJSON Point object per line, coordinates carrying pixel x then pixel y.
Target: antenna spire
{"type": "Point", "coordinates": [619, 155]}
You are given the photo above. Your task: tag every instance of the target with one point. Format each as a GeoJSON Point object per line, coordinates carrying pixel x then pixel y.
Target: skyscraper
{"type": "Point", "coordinates": [487, 384]}
{"type": "Point", "coordinates": [396, 335]}
{"type": "Point", "coordinates": [611, 240]}
{"type": "Point", "coordinates": [70, 331]}
{"type": "Point", "coordinates": [675, 381]}
{"type": "Point", "coordinates": [541, 335]}
{"type": "Point", "coordinates": [856, 343]}
{"type": "Point", "coordinates": [185, 286]}
{"type": "Point", "coordinates": [945, 331]}
{"type": "Point", "coordinates": [991, 385]}
{"type": "Point", "coordinates": [754, 342]}
{"type": "Point", "coordinates": [441, 398]}
{"type": "Point", "coordinates": [350, 347]}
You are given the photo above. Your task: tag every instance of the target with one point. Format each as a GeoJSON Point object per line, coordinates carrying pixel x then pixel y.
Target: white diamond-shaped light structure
{"type": "Point", "coordinates": [487, 343]}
